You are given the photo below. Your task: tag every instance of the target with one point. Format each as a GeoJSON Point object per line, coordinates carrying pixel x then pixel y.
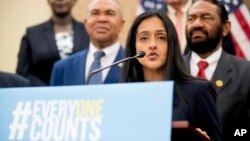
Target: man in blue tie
{"type": "Point", "coordinates": [103, 23]}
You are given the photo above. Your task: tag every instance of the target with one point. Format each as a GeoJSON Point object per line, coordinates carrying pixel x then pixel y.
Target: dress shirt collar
{"type": "Point", "coordinates": [110, 55]}
{"type": "Point", "coordinates": [112, 49]}
{"type": "Point", "coordinates": [213, 58]}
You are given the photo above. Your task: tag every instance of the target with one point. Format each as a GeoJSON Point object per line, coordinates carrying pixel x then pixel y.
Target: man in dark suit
{"type": "Point", "coordinates": [44, 44]}
{"type": "Point", "coordinates": [12, 80]}
{"type": "Point", "coordinates": [206, 26]}
{"type": "Point", "coordinates": [104, 23]}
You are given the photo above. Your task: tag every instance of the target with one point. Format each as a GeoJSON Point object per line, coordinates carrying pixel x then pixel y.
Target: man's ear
{"type": "Point", "coordinates": [84, 21]}
{"type": "Point", "coordinates": [226, 28]}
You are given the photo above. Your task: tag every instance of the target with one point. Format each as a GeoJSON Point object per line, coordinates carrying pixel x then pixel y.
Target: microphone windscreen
{"type": "Point", "coordinates": [141, 54]}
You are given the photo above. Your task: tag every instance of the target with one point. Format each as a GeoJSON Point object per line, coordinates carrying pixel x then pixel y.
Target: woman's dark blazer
{"type": "Point", "coordinates": [198, 107]}
{"type": "Point", "coordinates": [38, 51]}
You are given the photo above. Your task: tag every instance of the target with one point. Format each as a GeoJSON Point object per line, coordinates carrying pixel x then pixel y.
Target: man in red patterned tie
{"type": "Point", "coordinates": [207, 24]}
{"type": "Point", "coordinates": [202, 66]}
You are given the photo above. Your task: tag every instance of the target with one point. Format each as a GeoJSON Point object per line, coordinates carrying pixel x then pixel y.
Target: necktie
{"type": "Point", "coordinates": [96, 78]}
{"type": "Point", "coordinates": [202, 66]}
{"type": "Point", "coordinates": [178, 25]}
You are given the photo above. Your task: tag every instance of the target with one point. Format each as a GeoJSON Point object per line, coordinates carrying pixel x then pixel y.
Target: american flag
{"type": "Point", "coordinates": [239, 16]}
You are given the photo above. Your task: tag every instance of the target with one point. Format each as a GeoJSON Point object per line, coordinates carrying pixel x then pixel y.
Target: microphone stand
{"type": "Point", "coordinates": [139, 55]}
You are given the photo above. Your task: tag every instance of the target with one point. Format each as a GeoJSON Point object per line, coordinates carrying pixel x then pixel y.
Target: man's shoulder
{"type": "Point", "coordinates": [237, 61]}
{"type": "Point", "coordinates": [76, 57]}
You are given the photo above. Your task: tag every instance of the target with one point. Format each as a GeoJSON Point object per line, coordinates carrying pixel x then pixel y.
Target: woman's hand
{"type": "Point", "coordinates": [202, 132]}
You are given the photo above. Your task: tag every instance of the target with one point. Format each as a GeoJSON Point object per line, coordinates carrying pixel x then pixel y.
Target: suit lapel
{"type": "Point", "coordinates": [77, 36]}
{"type": "Point", "coordinates": [50, 37]}
{"type": "Point", "coordinates": [223, 73]}
{"type": "Point", "coordinates": [115, 70]}
{"type": "Point", "coordinates": [187, 60]}
{"type": "Point", "coordinates": [84, 59]}
{"type": "Point", "coordinates": [78, 70]}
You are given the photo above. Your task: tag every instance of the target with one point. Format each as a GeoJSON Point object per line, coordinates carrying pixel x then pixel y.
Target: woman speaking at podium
{"type": "Point", "coordinates": [194, 99]}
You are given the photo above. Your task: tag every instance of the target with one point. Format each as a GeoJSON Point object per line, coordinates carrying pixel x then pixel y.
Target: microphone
{"type": "Point", "coordinates": [139, 54]}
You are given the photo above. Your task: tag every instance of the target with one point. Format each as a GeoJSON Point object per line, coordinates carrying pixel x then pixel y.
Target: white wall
{"type": "Point", "coordinates": [17, 15]}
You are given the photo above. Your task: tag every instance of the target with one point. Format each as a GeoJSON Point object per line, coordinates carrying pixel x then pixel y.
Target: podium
{"type": "Point", "coordinates": [113, 112]}
{"type": "Point", "coordinates": [183, 130]}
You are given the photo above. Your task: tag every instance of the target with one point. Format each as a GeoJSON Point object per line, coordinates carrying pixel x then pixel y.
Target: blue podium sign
{"type": "Point", "coordinates": [112, 112]}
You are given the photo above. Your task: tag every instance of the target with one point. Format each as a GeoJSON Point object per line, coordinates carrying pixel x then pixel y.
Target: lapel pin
{"type": "Point", "coordinates": [120, 65]}
{"type": "Point", "coordinates": [219, 83]}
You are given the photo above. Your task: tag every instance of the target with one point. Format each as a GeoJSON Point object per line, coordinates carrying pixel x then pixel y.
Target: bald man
{"type": "Point", "coordinates": [104, 22]}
